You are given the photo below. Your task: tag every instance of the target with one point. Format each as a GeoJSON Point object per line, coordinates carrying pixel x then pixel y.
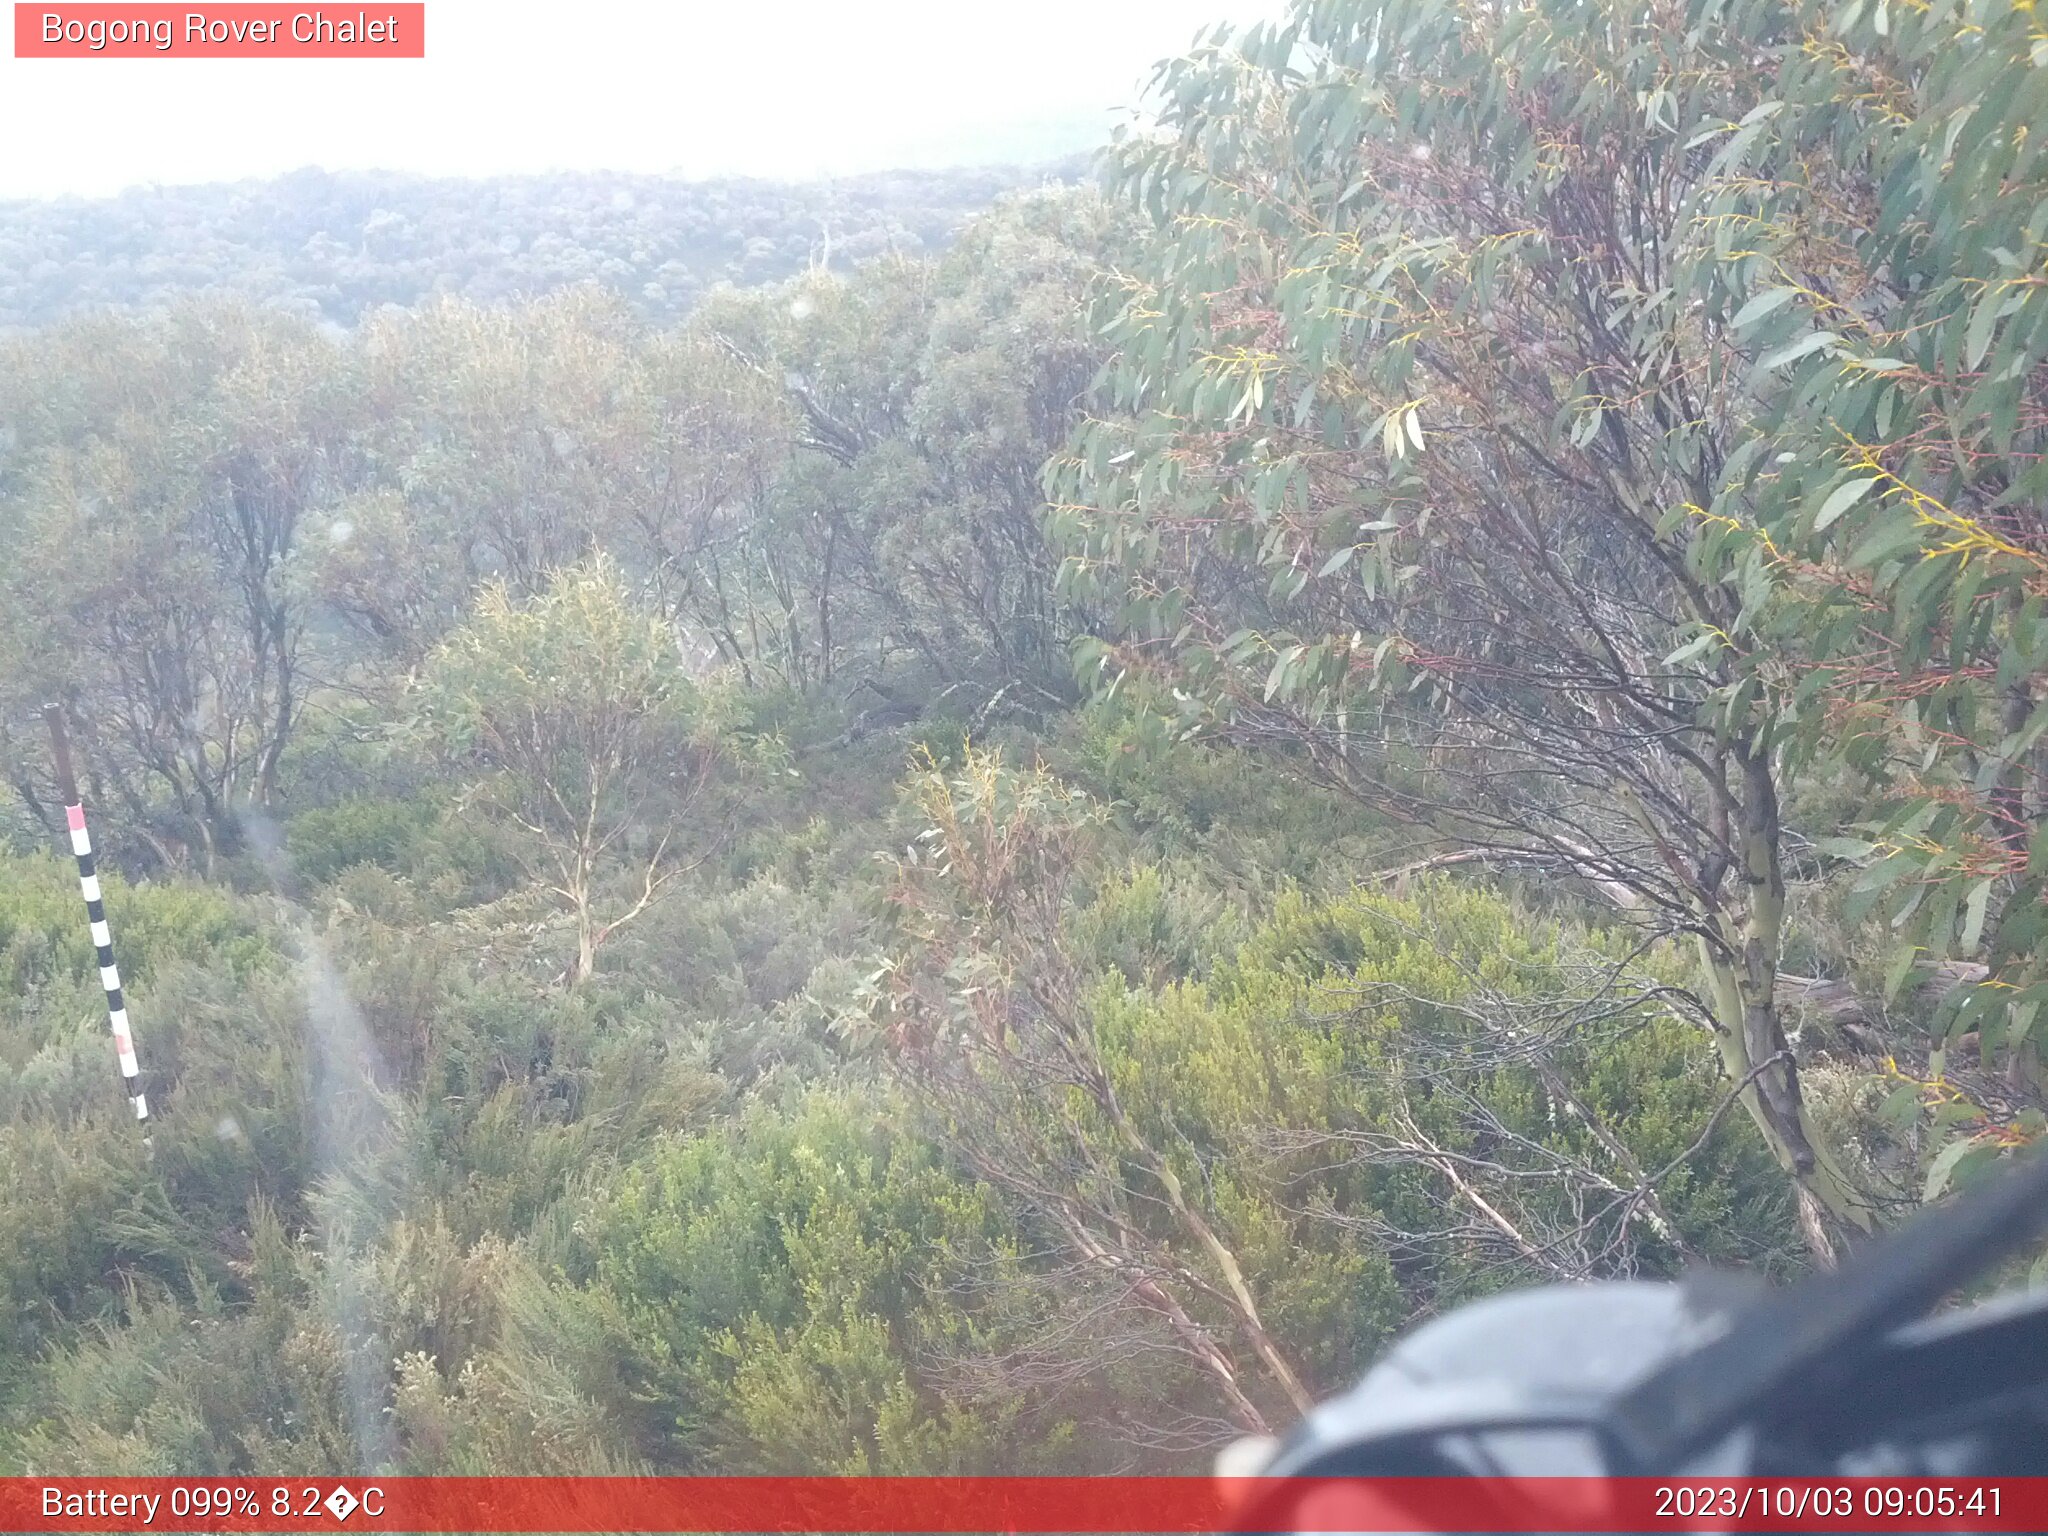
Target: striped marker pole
{"type": "Point", "coordinates": [96, 914]}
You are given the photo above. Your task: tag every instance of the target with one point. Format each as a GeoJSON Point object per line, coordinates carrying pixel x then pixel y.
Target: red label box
{"type": "Point", "coordinates": [233, 31]}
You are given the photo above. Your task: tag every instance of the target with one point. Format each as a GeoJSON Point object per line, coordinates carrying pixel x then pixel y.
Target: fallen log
{"type": "Point", "coordinates": [1837, 1002]}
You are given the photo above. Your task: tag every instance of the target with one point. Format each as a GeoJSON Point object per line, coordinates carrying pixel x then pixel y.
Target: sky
{"type": "Point", "coordinates": [772, 88]}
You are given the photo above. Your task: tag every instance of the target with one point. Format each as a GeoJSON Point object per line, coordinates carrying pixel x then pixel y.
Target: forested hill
{"type": "Point", "coordinates": [331, 245]}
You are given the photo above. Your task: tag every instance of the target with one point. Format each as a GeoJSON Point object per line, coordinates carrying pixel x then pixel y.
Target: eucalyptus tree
{"type": "Point", "coordinates": [1371, 1106]}
{"type": "Point", "coordinates": [576, 725]}
{"type": "Point", "coordinates": [1471, 441]}
{"type": "Point", "coordinates": [508, 429]}
{"type": "Point", "coordinates": [1006, 368]}
{"type": "Point", "coordinates": [991, 1020]}
{"type": "Point", "coordinates": [717, 438]}
{"type": "Point", "coordinates": [922, 398]}
{"type": "Point", "coordinates": [1880, 250]}
{"type": "Point", "coordinates": [159, 477]}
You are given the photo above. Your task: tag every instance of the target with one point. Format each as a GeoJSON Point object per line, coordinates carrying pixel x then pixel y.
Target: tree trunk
{"type": "Point", "coordinates": [1742, 975]}
{"type": "Point", "coordinates": [586, 936]}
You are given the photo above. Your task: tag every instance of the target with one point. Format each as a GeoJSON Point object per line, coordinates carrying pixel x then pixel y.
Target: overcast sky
{"type": "Point", "coordinates": [783, 88]}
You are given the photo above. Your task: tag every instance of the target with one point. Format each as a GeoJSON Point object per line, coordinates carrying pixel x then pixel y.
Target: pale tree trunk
{"type": "Point", "coordinates": [586, 949]}
{"type": "Point", "coordinates": [1191, 1334]}
{"type": "Point", "coordinates": [1742, 977]}
{"type": "Point", "coordinates": [1236, 1291]}
{"type": "Point", "coordinates": [1249, 1322]}
{"type": "Point", "coordinates": [578, 892]}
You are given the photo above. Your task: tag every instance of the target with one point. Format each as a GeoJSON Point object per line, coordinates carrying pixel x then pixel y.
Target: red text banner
{"type": "Point", "coordinates": [1015, 1505]}
{"type": "Point", "coordinates": [235, 31]}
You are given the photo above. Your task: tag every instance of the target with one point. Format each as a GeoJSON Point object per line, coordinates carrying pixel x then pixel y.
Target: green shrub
{"type": "Point", "coordinates": [323, 842]}
{"type": "Point", "coordinates": [44, 937]}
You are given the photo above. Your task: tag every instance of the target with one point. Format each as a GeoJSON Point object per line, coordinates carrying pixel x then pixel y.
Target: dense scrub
{"type": "Point", "coordinates": [680, 915]}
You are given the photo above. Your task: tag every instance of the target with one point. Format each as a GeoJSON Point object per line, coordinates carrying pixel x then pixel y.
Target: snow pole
{"type": "Point", "coordinates": [96, 914]}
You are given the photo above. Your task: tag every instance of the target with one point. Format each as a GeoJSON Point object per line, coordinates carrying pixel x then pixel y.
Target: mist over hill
{"type": "Point", "coordinates": [331, 245]}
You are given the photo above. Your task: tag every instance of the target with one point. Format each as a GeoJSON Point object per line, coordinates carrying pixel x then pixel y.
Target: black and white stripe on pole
{"type": "Point", "coordinates": [96, 914]}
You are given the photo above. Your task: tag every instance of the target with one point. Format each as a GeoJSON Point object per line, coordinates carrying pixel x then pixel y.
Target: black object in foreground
{"type": "Point", "coordinates": [1845, 1374]}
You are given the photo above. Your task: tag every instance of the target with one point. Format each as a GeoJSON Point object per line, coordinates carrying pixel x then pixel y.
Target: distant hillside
{"type": "Point", "coordinates": [333, 244]}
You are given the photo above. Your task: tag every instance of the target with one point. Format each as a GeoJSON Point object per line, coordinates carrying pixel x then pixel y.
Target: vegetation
{"type": "Point", "coordinates": [1010, 860]}
{"type": "Point", "coordinates": [335, 245]}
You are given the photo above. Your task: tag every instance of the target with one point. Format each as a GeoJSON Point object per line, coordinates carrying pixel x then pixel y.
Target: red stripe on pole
{"type": "Point", "coordinates": [1021, 1504]}
{"type": "Point", "coordinates": [74, 817]}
